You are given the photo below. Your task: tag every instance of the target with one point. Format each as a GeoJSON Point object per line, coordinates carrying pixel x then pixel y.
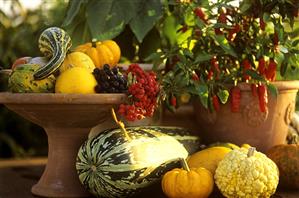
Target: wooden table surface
{"type": "Point", "coordinates": [18, 176]}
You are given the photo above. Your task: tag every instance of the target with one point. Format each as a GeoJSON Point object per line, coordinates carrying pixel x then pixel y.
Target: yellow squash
{"type": "Point", "coordinates": [101, 52]}
{"type": "Point", "coordinates": [208, 158]}
{"type": "Point", "coordinates": [77, 59]}
{"type": "Point", "coordinates": [188, 183]}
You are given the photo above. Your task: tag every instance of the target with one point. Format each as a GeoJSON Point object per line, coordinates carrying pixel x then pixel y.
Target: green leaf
{"type": "Point", "coordinates": [245, 6]}
{"type": "Point", "coordinates": [187, 53]}
{"type": "Point", "coordinates": [283, 49]}
{"type": "Point", "coordinates": [169, 29]}
{"type": "Point", "coordinates": [255, 75]}
{"type": "Point", "coordinates": [202, 57]}
{"type": "Point", "coordinates": [273, 90]}
{"type": "Point", "coordinates": [107, 19]}
{"type": "Point", "coordinates": [223, 95]}
{"type": "Point", "coordinates": [73, 9]}
{"type": "Point", "coordinates": [148, 14]}
{"type": "Point", "coordinates": [203, 93]}
{"type": "Point", "coordinates": [224, 44]}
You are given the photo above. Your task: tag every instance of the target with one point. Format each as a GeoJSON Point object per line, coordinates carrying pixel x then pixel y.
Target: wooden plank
{"type": "Point", "coordinates": [23, 162]}
{"type": "Point", "coordinates": [18, 176]}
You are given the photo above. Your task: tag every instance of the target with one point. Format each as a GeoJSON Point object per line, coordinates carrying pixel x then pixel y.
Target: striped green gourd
{"type": "Point", "coordinates": [112, 165]}
{"type": "Point", "coordinates": [53, 43]}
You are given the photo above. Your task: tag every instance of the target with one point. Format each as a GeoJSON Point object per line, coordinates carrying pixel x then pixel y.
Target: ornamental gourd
{"type": "Point", "coordinates": [77, 59]}
{"type": "Point", "coordinates": [118, 164]}
{"type": "Point", "coordinates": [53, 43]}
{"type": "Point", "coordinates": [286, 158]}
{"type": "Point", "coordinates": [188, 183]}
{"type": "Point", "coordinates": [208, 158]}
{"type": "Point", "coordinates": [105, 52]}
{"type": "Point", "coordinates": [246, 173]}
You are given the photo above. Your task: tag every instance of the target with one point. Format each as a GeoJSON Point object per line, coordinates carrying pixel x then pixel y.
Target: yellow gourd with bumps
{"type": "Point", "coordinates": [246, 173]}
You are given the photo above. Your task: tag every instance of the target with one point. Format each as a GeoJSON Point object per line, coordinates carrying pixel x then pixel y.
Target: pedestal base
{"type": "Point", "coordinates": [60, 178]}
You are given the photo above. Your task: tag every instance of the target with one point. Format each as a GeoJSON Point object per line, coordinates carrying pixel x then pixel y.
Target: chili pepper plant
{"type": "Point", "coordinates": [212, 46]}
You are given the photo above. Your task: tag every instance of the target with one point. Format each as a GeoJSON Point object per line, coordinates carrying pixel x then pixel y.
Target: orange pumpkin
{"type": "Point", "coordinates": [101, 52]}
{"type": "Point", "coordinates": [286, 157]}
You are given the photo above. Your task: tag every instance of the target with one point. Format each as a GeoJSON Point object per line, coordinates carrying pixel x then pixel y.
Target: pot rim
{"type": "Point", "coordinates": [280, 85]}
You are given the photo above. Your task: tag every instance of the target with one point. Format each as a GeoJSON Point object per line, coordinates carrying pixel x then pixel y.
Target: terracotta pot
{"type": "Point", "coordinates": [67, 120]}
{"type": "Point", "coordinates": [262, 130]}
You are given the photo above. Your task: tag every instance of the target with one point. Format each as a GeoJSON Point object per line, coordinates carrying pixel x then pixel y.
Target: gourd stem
{"type": "Point", "coordinates": [251, 151]}
{"type": "Point", "coordinates": [184, 164]}
{"type": "Point", "coordinates": [94, 42]}
{"type": "Point", "coordinates": [121, 125]}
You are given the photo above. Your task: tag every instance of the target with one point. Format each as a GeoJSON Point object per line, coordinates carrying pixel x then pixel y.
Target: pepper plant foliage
{"type": "Point", "coordinates": [213, 44]}
{"type": "Point", "coordinates": [106, 19]}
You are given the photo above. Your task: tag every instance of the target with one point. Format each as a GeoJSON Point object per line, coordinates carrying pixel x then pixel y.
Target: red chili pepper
{"type": "Point", "coordinates": [271, 70]}
{"type": "Point", "coordinates": [222, 18]}
{"type": "Point", "coordinates": [254, 90]}
{"type": "Point", "coordinates": [210, 74]}
{"type": "Point", "coordinates": [197, 32]}
{"type": "Point", "coordinates": [218, 31]}
{"type": "Point", "coordinates": [262, 24]}
{"type": "Point", "coordinates": [236, 28]}
{"type": "Point", "coordinates": [173, 101]}
{"type": "Point", "coordinates": [216, 103]}
{"type": "Point", "coordinates": [183, 29]}
{"type": "Point", "coordinates": [231, 35]}
{"type": "Point", "coordinates": [235, 99]}
{"type": "Point", "coordinates": [200, 13]}
{"type": "Point", "coordinates": [263, 97]}
{"type": "Point", "coordinates": [262, 65]}
{"type": "Point", "coordinates": [195, 77]}
{"type": "Point", "coordinates": [215, 65]}
{"type": "Point", "coordinates": [246, 66]}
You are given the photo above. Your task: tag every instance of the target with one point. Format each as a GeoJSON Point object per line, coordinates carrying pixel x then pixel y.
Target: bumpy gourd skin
{"type": "Point", "coordinates": [238, 175]}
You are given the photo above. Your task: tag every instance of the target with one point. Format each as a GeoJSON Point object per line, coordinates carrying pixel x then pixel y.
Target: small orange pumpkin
{"type": "Point", "coordinates": [188, 183]}
{"type": "Point", "coordinates": [286, 157]}
{"type": "Point", "coordinates": [101, 52]}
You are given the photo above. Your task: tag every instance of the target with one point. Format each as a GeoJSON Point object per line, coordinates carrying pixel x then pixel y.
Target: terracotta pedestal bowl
{"type": "Point", "coordinates": [67, 120]}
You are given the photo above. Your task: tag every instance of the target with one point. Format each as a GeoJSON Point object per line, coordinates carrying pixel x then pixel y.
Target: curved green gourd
{"type": "Point", "coordinates": [112, 165]}
{"type": "Point", "coordinates": [53, 43]}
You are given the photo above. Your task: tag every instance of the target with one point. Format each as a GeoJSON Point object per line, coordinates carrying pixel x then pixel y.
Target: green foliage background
{"type": "Point", "coordinates": [19, 31]}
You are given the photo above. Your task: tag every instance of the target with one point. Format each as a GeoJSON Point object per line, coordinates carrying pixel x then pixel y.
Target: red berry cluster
{"type": "Point", "coordinates": [143, 92]}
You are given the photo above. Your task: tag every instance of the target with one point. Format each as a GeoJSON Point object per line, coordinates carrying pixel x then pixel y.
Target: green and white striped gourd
{"type": "Point", "coordinates": [53, 43]}
{"type": "Point", "coordinates": [112, 165]}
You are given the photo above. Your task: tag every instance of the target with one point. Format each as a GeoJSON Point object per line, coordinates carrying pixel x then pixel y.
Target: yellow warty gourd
{"type": "Point", "coordinates": [246, 173]}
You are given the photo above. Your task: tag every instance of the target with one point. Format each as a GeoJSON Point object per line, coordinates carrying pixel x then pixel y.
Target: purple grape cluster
{"type": "Point", "coordinates": [110, 80]}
